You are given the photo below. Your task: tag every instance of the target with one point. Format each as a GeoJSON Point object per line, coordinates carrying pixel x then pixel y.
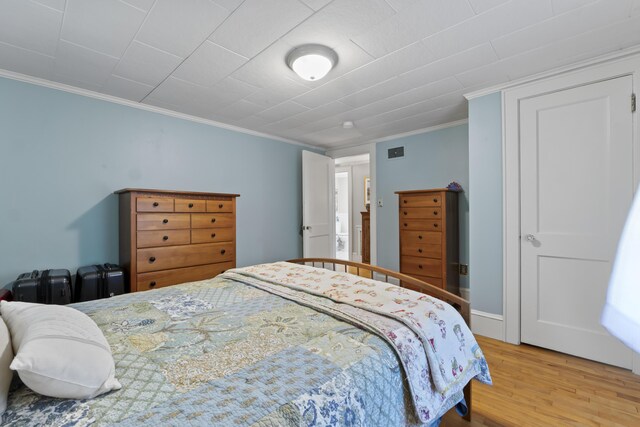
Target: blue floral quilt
{"type": "Point", "coordinates": [226, 353]}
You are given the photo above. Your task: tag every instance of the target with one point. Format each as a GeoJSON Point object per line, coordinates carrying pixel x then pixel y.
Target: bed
{"type": "Point", "coordinates": [304, 342]}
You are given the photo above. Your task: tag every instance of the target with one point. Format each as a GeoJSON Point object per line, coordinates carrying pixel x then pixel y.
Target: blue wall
{"type": "Point", "coordinates": [431, 160]}
{"type": "Point", "coordinates": [62, 156]}
{"type": "Point", "coordinates": [485, 215]}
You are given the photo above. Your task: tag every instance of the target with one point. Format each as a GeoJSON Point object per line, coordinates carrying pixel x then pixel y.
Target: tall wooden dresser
{"type": "Point", "coordinates": [366, 237]}
{"type": "Point", "coordinates": [171, 237]}
{"type": "Point", "coordinates": [429, 236]}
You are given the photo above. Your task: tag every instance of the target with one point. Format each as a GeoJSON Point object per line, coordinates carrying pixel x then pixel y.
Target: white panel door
{"type": "Point", "coordinates": [576, 189]}
{"type": "Point", "coordinates": [318, 206]}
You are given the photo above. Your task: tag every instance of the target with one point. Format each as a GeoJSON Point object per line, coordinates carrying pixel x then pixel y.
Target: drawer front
{"type": "Point", "coordinates": [154, 259]}
{"type": "Point", "coordinates": [421, 266]}
{"type": "Point", "coordinates": [149, 239]}
{"type": "Point", "coordinates": [410, 237]}
{"type": "Point", "coordinates": [421, 224]}
{"type": "Point", "coordinates": [154, 204]}
{"type": "Point", "coordinates": [210, 235]}
{"type": "Point", "coordinates": [219, 206]}
{"type": "Point", "coordinates": [424, 250]}
{"type": "Point", "coordinates": [436, 281]}
{"type": "Point", "coordinates": [159, 279]}
{"type": "Point", "coordinates": [421, 201]}
{"type": "Point", "coordinates": [223, 220]}
{"type": "Point", "coordinates": [163, 221]}
{"type": "Point", "coordinates": [188, 205]}
{"type": "Point", "coordinates": [420, 213]}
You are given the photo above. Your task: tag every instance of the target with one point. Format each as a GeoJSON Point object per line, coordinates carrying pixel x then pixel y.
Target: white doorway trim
{"type": "Point", "coordinates": [511, 173]}
{"type": "Point", "coordinates": [369, 149]}
{"type": "Point", "coordinates": [349, 171]}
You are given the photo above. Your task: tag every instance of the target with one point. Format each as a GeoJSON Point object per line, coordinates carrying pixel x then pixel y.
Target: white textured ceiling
{"type": "Point", "coordinates": [403, 64]}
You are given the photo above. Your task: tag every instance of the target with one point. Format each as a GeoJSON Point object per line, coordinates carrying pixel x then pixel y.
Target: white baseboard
{"type": "Point", "coordinates": [487, 324]}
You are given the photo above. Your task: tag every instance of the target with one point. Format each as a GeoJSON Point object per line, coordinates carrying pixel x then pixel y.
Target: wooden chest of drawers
{"type": "Point", "coordinates": [429, 236]}
{"type": "Point", "coordinates": [170, 237]}
{"type": "Point", "coordinates": [366, 237]}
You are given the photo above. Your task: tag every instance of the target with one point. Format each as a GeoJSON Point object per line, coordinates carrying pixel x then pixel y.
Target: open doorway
{"type": "Point", "coordinates": [351, 199]}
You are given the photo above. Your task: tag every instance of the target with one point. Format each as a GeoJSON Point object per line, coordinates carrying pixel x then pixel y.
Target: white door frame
{"type": "Point", "coordinates": [349, 171]}
{"type": "Point", "coordinates": [511, 173]}
{"type": "Point", "coordinates": [369, 149]}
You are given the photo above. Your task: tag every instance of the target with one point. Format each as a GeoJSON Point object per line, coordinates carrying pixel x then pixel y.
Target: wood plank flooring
{"type": "Point", "coordinates": [538, 387]}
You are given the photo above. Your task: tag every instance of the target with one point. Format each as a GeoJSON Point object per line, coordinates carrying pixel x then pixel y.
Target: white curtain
{"type": "Point", "coordinates": [621, 314]}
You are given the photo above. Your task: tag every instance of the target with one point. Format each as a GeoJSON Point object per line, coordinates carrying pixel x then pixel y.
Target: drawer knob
{"type": "Point", "coordinates": [213, 235]}
{"type": "Point", "coordinates": [420, 237]}
{"type": "Point", "coordinates": [404, 201]}
{"type": "Point", "coordinates": [155, 204]}
{"type": "Point", "coordinates": [152, 284]}
{"type": "Point", "coordinates": [420, 250]}
{"type": "Point", "coordinates": [220, 206]}
{"type": "Point", "coordinates": [435, 225]}
{"type": "Point", "coordinates": [223, 251]}
{"type": "Point", "coordinates": [435, 212]}
{"type": "Point", "coordinates": [435, 200]}
{"type": "Point", "coordinates": [213, 220]}
{"type": "Point", "coordinates": [190, 205]}
{"type": "Point", "coordinates": [164, 221]}
{"type": "Point", "coordinates": [165, 238]}
{"type": "Point", "coordinates": [152, 259]}
{"type": "Point", "coordinates": [405, 224]}
{"type": "Point", "coordinates": [420, 266]}
{"type": "Point", "coordinates": [405, 212]}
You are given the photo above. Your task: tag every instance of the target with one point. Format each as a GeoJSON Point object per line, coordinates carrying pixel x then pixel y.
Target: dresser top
{"type": "Point", "coordinates": [184, 193]}
{"type": "Point", "coordinates": [431, 190]}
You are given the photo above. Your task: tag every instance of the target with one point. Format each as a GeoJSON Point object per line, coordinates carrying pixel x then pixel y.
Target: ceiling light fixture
{"type": "Point", "coordinates": [312, 61]}
{"type": "Point", "coordinates": [348, 124]}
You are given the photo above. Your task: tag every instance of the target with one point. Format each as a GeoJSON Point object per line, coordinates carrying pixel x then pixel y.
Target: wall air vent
{"type": "Point", "coordinates": [396, 152]}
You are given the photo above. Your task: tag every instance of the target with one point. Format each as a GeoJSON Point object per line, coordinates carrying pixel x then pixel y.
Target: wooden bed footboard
{"type": "Point", "coordinates": [383, 275]}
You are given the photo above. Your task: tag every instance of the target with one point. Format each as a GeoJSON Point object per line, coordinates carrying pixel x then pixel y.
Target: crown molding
{"type": "Point", "coordinates": [423, 130]}
{"type": "Point", "coordinates": [365, 145]}
{"type": "Point", "coordinates": [618, 55]}
{"type": "Point", "coordinates": [151, 108]}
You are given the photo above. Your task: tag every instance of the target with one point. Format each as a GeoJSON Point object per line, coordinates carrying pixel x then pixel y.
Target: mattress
{"type": "Point", "coordinates": [227, 352]}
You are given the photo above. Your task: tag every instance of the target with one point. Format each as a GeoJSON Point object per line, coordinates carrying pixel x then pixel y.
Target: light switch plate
{"type": "Point", "coordinates": [464, 269]}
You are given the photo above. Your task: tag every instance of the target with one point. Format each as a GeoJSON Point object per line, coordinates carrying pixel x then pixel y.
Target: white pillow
{"type": "Point", "coordinates": [60, 352]}
{"type": "Point", "coordinates": [6, 374]}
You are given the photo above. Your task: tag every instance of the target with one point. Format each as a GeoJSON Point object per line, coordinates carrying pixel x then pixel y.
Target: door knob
{"type": "Point", "coordinates": [530, 238]}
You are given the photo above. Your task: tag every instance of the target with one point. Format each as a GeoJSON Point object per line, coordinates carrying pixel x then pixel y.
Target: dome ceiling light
{"type": "Point", "coordinates": [312, 61]}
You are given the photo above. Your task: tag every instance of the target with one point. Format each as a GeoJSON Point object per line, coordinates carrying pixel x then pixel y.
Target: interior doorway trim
{"type": "Point", "coordinates": [511, 173]}
{"type": "Point", "coordinates": [349, 171]}
{"type": "Point", "coordinates": [369, 149]}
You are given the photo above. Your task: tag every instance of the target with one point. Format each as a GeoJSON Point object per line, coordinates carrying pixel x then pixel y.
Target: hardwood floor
{"type": "Point", "coordinates": [538, 387]}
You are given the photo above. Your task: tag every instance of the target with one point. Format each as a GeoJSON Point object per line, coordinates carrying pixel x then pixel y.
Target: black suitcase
{"type": "Point", "coordinates": [45, 287]}
{"type": "Point", "coordinates": [99, 281]}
